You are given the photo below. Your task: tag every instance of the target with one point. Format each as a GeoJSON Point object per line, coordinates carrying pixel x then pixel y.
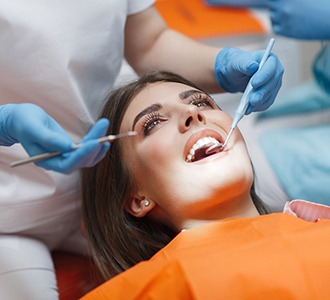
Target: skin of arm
{"type": "Point", "coordinates": [151, 45]}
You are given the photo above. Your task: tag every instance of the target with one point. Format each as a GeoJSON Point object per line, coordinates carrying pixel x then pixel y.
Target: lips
{"type": "Point", "coordinates": [199, 142]}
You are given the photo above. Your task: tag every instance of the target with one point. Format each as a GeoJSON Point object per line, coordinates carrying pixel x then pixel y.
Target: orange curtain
{"type": "Point", "coordinates": [198, 20]}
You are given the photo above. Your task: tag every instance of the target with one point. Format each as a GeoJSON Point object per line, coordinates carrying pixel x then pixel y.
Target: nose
{"type": "Point", "coordinates": [190, 117]}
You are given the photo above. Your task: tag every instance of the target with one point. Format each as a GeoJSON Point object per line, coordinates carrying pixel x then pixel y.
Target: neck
{"type": "Point", "coordinates": [241, 207]}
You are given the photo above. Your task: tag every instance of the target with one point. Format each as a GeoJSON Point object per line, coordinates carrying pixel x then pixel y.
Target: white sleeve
{"type": "Point", "coordinates": [136, 6]}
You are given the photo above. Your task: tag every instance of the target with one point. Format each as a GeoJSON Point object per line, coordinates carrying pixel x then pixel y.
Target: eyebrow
{"type": "Point", "coordinates": [146, 111]}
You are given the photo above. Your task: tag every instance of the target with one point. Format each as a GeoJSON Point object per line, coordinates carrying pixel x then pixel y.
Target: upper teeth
{"type": "Point", "coordinates": [199, 144]}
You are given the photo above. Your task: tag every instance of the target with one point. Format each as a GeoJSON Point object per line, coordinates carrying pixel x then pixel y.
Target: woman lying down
{"type": "Point", "coordinates": [166, 219]}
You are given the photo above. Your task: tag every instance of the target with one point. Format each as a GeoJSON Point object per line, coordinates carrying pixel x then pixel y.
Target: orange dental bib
{"type": "Point", "coordinates": [276, 256]}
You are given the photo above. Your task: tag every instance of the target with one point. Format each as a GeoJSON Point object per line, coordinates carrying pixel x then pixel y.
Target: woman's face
{"type": "Point", "coordinates": [171, 119]}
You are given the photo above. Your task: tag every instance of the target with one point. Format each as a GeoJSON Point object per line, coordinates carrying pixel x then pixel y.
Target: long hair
{"type": "Point", "coordinates": [118, 240]}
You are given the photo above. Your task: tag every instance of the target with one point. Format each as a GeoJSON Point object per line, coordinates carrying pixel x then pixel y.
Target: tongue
{"type": "Point", "coordinates": [201, 153]}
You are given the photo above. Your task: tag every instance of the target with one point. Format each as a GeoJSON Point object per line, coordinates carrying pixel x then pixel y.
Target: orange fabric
{"type": "Point", "coordinates": [275, 256]}
{"type": "Point", "coordinates": [196, 19]}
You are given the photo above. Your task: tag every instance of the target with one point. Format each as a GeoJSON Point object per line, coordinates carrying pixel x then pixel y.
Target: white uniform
{"type": "Point", "coordinates": [64, 56]}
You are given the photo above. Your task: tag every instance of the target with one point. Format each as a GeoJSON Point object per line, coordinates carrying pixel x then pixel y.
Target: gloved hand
{"type": "Point", "coordinates": [301, 19]}
{"type": "Point", "coordinates": [235, 67]}
{"type": "Point", "coordinates": [31, 126]}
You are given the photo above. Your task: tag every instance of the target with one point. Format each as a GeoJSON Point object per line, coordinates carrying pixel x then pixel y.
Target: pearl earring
{"type": "Point", "coordinates": [146, 202]}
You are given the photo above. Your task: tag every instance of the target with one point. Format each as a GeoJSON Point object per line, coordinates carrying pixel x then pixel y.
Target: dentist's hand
{"type": "Point", "coordinates": [31, 126]}
{"type": "Point", "coordinates": [301, 19]}
{"type": "Point", "coordinates": [235, 67]}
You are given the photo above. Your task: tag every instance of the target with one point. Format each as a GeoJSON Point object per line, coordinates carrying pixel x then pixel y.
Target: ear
{"type": "Point", "coordinates": [139, 206]}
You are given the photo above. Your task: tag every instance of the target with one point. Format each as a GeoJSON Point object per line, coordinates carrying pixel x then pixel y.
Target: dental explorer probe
{"type": "Point", "coordinates": [244, 102]}
{"type": "Point", "coordinates": [39, 157]}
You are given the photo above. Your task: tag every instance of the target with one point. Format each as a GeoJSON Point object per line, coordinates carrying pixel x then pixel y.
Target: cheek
{"type": "Point", "coordinates": [150, 161]}
{"type": "Point", "coordinates": [156, 151]}
{"type": "Point", "coordinates": [220, 118]}
{"type": "Point", "coordinates": [242, 170]}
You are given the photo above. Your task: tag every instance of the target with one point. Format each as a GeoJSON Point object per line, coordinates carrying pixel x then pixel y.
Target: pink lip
{"type": "Point", "coordinates": [198, 135]}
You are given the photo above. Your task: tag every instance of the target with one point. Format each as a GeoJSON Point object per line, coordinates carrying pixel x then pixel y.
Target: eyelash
{"type": "Point", "coordinates": [149, 122]}
{"type": "Point", "coordinates": [197, 99]}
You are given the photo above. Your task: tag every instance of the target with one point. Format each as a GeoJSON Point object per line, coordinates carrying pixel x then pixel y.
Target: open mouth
{"type": "Point", "coordinates": [202, 147]}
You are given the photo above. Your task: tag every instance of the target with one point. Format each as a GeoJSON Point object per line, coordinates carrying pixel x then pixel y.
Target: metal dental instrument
{"type": "Point", "coordinates": [39, 157]}
{"type": "Point", "coordinates": [244, 102]}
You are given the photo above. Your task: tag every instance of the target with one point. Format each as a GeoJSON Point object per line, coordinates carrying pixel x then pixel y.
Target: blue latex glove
{"type": "Point", "coordinates": [31, 126]}
{"type": "Point", "coordinates": [301, 19]}
{"type": "Point", "coordinates": [237, 3]}
{"type": "Point", "coordinates": [235, 67]}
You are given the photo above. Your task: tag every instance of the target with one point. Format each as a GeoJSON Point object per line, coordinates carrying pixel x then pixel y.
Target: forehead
{"type": "Point", "coordinates": [160, 92]}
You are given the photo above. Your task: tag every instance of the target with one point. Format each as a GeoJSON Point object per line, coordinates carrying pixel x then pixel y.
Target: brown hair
{"type": "Point", "coordinates": [118, 240]}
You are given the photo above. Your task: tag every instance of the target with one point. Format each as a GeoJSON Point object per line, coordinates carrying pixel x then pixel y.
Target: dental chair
{"type": "Point", "coordinates": [76, 275]}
